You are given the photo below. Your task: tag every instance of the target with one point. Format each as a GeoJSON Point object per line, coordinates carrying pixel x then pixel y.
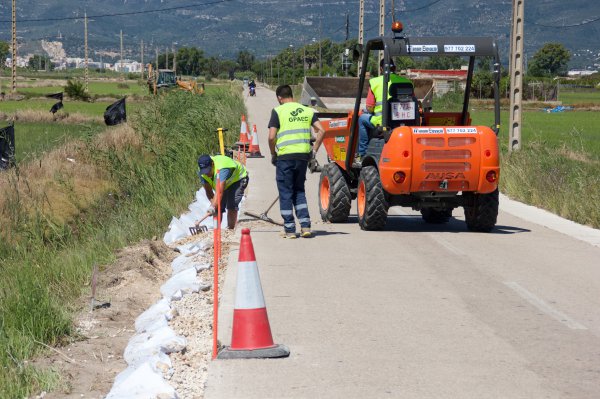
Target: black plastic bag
{"type": "Point", "coordinates": [7, 147]}
{"type": "Point", "coordinates": [115, 113]}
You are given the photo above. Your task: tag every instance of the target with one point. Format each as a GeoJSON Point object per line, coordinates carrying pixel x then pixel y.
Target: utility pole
{"type": "Point", "coordinates": [167, 58]}
{"type": "Point", "coordinates": [14, 47]}
{"type": "Point", "coordinates": [516, 76]}
{"type": "Point", "coordinates": [86, 51]}
{"type": "Point", "coordinates": [156, 59]}
{"type": "Point", "coordinates": [121, 62]}
{"type": "Point", "coordinates": [174, 61]}
{"type": "Point", "coordinates": [142, 51]}
{"type": "Point", "coordinates": [381, 24]}
{"type": "Point", "coordinates": [320, 45]}
{"type": "Point", "coordinates": [361, 30]}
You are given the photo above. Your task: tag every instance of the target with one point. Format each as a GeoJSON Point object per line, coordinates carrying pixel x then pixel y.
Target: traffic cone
{"type": "Point", "coordinates": [251, 335]}
{"type": "Point", "coordinates": [243, 142]}
{"type": "Point", "coordinates": [254, 147]}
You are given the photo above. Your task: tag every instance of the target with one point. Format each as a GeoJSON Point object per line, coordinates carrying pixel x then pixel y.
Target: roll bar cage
{"type": "Point", "coordinates": [399, 45]}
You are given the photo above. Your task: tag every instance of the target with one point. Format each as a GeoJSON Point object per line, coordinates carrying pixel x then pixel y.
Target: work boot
{"type": "Point", "coordinates": [289, 235]}
{"type": "Point", "coordinates": [305, 232]}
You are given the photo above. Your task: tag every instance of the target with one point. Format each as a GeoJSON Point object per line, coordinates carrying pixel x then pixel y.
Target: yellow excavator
{"type": "Point", "coordinates": [161, 79]}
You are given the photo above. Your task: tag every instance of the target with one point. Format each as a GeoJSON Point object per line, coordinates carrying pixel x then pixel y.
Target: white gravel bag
{"type": "Point", "coordinates": [192, 249]}
{"type": "Point", "coordinates": [141, 383]}
{"type": "Point", "coordinates": [176, 231]}
{"type": "Point", "coordinates": [154, 317]}
{"type": "Point", "coordinates": [152, 343]}
{"type": "Point", "coordinates": [186, 281]}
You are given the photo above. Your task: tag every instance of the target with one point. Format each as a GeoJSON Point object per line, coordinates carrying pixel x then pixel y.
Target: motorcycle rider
{"type": "Point", "coordinates": [252, 87]}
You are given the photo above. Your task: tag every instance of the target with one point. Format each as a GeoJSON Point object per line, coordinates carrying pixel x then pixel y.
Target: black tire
{"type": "Point", "coordinates": [435, 216]}
{"type": "Point", "coordinates": [482, 213]}
{"type": "Point", "coordinates": [334, 195]}
{"type": "Point", "coordinates": [374, 214]}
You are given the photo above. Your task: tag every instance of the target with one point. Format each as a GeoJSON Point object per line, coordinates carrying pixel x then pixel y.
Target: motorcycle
{"type": "Point", "coordinates": [252, 90]}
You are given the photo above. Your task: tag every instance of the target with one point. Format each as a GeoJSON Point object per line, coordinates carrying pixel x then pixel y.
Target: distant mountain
{"type": "Point", "coordinates": [224, 27]}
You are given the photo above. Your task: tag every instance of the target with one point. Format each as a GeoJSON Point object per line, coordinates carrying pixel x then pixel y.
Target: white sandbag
{"type": "Point", "coordinates": [141, 383]}
{"type": "Point", "coordinates": [160, 364]}
{"type": "Point", "coordinates": [154, 317]}
{"type": "Point", "coordinates": [188, 219]}
{"type": "Point", "coordinates": [193, 248]}
{"type": "Point", "coordinates": [152, 343]}
{"type": "Point", "coordinates": [175, 232]}
{"type": "Point", "coordinates": [186, 281]}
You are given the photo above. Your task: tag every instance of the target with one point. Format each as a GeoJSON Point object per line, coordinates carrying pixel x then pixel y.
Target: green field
{"type": "Point", "coordinates": [576, 130]}
{"type": "Point", "coordinates": [581, 97]}
{"type": "Point", "coordinates": [33, 138]}
{"type": "Point", "coordinates": [82, 107]}
{"type": "Point", "coordinates": [101, 89]}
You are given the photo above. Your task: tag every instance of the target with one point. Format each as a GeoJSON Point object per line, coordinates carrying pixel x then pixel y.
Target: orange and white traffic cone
{"type": "Point", "coordinates": [243, 142]}
{"type": "Point", "coordinates": [251, 336]}
{"type": "Point", "coordinates": [254, 147]}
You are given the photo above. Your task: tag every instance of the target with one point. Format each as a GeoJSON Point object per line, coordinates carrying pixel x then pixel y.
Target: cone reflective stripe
{"type": "Point", "coordinates": [251, 332]}
{"type": "Point", "coordinates": [254, 149]}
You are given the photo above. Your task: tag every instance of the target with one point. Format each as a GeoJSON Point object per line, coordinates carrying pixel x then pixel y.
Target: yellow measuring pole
{"type": "Point", "coordinates": [221, 142]}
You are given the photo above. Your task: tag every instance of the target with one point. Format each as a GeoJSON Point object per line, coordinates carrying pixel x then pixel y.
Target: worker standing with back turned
{"type": "Point", "coordinates": [289, 142]}
{"type": "Point", "coordinates": [233, 180]}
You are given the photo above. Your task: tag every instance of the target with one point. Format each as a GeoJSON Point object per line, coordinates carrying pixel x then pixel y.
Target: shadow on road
{"type": "Point", "coordinates": [415, 224]}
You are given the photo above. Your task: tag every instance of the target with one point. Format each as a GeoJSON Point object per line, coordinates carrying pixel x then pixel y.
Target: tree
{"type": "Point", "coordinates": [40, 62]}
{"type": "Point", "coordinates": [550, 60]}
{"type": "Point", "coordinates": [245, 59]}
{"type": "Point", "coordinates": [4, 50]}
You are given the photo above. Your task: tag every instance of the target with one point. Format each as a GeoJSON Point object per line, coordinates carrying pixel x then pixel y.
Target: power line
{"type": "Point", "coordinates": [123, 13]}
{"type": "Point", "coordinates": [584, 22]}
{"type": "Point", "coordinates": [406, 11]}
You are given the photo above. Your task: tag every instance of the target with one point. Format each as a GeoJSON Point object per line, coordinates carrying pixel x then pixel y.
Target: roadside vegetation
{"type": "Point", "coordinates": [61, 216]}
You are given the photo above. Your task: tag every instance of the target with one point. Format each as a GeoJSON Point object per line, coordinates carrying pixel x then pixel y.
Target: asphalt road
{"type": "Point", "coordinates": [416, 310]}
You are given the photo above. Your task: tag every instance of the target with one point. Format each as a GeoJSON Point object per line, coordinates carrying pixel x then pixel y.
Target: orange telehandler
{"type": "Point", "coordinates": [430, 161]}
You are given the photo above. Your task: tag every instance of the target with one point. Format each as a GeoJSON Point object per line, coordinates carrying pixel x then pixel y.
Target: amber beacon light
{"type": "Point", "coordinates": [397, 26]}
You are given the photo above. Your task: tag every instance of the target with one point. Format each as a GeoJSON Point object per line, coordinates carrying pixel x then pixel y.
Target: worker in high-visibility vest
{"type": "Point", "coordinates": [374, 104]}
{"type": "Point", "coordinates": [290, 145]}
{"type": "Point", "coordinates": [233, 180]}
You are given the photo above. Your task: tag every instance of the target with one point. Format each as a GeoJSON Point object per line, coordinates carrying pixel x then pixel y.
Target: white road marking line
{"type": "Point", "coordinates": [544, 307]}
{"type": "Point", "coordinates": [447, 245]}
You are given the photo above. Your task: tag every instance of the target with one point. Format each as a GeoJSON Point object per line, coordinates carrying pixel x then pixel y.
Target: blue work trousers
{"type": "Point", "coordinates": [364, 125]}
{"type": "Point", "coordinates": [290, 176]}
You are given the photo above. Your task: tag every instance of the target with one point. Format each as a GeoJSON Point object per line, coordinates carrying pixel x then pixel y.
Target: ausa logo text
{"type": "Point", "coordinates": [296, 116]}
{"type": "Point", "coordinates": [445, 176]}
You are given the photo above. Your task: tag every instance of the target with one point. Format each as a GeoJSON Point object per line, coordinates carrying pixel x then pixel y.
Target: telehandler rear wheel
{"type": "Point", "coordinates": [334, 195]}
{"type": "Point", "coordinates": [372, 206]}
{"type": "Point", "coordinates": [482, 212]}
{"type": "Point", "coordinates": [436, 216]}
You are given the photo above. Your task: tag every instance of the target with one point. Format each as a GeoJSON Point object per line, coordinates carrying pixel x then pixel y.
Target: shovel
{"type": "Point", "coordinates": [263, 216]}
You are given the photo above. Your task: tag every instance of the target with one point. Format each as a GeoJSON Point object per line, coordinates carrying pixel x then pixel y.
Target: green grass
{"type": "Point", "coordinates": [32, 139]}
{"type": "Point", "coordinates": [45, 265]}
{"type": "Point", "coordinates": [100, 89]}
{"type": "Point", "coordinates": [577, 130]}
{"type": "Point", "coordinates": [86, 108]}
{"type": "Point", "coordinates": [582, 97]}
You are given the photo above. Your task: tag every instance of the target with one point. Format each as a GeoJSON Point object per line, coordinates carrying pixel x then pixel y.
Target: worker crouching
{"type": "Point", "coordinates": [233, 180]}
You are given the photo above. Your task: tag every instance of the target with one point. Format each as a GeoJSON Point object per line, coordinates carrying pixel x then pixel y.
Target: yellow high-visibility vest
{"type": "Point", "coordinates": [293, 136]}
{"type": "Point", "coordinates": [223, 162]}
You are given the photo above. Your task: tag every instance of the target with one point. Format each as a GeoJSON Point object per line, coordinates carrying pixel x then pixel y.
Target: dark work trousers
{"type": "Point", "coordinates": [290, 176]}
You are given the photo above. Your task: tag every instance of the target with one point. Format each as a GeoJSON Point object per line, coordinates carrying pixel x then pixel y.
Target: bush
{"type": "Point", "coordinates": [76, 90]}
{"type": "Point", "coordinates": [123, 86]}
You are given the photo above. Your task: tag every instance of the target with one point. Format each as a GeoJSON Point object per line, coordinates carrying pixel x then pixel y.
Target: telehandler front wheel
{"type": "Point", "coordinates": [334, 195]}
{"type": "Point", "coordinates": [481, 212]}
{"type": "Point", "coordinates": [372, 206]}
